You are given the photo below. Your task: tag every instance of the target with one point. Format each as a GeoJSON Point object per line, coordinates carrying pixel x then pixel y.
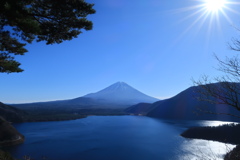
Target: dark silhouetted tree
{"type": "Point", "coordinates": [53, 21]}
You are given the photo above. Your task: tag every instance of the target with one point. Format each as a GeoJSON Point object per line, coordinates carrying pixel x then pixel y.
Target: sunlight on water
{"type": "Point", "coordinates": [204, 150]}
{"type": "Point", "coordinates": [215, 123]}
{"type": "Point", "coordinates": [194, 149]}
{"type": "Point", "coordinates": [118, 138]}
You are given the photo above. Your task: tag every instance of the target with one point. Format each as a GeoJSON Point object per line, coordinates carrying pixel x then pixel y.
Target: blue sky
{"type": "Point", "coordinates": [150, 44]}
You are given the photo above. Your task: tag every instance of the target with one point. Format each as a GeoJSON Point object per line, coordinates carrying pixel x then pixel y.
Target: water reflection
{"type": "Point", "coordinates": [193, 149]}
{"type": "Point", "coordinates": [117, 137]}
{"type": "Point", "coordinates": [203, 150]}
{"type": "Point", "coordinates": [215, 123]}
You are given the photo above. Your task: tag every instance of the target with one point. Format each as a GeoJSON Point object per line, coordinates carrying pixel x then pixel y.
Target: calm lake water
{"type": "Point", "coordinates": [115, 138]}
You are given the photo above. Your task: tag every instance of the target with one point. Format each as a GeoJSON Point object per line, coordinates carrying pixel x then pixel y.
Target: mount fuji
{"type": "Point", "coordinates": [121, 93]}
{"type": "Point", "coordinates": [117, 95]}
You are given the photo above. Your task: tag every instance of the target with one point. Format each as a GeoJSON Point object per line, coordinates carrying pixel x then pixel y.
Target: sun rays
{"type": "Point", "coordinates": [210, 13]}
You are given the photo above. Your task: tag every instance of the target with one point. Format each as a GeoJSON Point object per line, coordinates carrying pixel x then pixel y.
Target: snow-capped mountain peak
{"type": "Point", "coordinates": [121, 92]}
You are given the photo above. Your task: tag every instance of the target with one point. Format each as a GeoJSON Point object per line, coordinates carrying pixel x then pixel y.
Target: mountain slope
{"type": "Point", "coordinates": [121, 93]}
{"type": "Point", "coordinates": [139, 109]}
{"type": "Point", "coordinates": [185, 106]}
{"type": "Point", "coordinates": [8, 134]}
{"type": "Point", "coordinates": [11, 114]}
{"type": "Point", "coordinates": [117, 96]}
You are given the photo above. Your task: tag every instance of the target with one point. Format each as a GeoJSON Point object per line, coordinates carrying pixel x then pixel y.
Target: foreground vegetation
{"type": "Point", "coordinates": [234, 154]}
{"type": "Point", "coordinates": [5, 156]}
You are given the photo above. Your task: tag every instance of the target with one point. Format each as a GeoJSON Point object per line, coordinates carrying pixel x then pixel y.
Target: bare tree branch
{"type": "Point", "coordinates": [224, 90]}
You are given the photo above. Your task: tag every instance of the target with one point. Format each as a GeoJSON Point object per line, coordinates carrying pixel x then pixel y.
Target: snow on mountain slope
{"type": "Point", "coordinates": [121, 92]}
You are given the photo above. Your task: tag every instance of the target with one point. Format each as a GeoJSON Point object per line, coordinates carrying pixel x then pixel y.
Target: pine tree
{"type": "Point", "coordinates": [51, 21]}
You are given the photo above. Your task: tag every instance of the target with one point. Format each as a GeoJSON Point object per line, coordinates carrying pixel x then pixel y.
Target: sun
{"type": "Point", "coordinates": [210, 13]}
{"type": "Point", "coordinates": [214, 5]}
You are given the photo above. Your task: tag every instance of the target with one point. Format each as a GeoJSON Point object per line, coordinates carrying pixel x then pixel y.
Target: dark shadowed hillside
{"type": "Point", "coordinates": [139, 109]}
{"type": "Point", "coordinates": [8, 134]}
{"type": "Point", "coordinates": [186, 106]}
{"type": "Point", "coordinates": [11, 114]}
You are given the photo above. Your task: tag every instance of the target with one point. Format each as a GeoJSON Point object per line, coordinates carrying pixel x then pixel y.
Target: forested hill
{"type": "Point", "coordinates": [11, 114]}
{"type": "Point", "coordinates": [186, 106]}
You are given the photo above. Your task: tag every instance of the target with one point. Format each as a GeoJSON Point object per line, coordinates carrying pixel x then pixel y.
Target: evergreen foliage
{"type": "Point", "coordinates": [5, 156]}
{"type": "Point", "coordinates": [51, 21]}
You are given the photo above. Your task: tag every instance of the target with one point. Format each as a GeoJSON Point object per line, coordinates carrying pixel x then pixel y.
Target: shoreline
{"type": "Point", "coordinates": [228, 133]}
{"type": "Point", "coordinates": [225, 134]}
{"type": "Point", "coordinates": [20, 139]}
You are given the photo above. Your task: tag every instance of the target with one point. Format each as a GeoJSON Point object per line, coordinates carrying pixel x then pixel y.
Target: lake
{"type": "Point", "coordinates": [115, 138]}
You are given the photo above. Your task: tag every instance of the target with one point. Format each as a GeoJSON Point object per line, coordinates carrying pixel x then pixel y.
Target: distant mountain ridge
{"type": "Point", "coordinates": [120, 98]}
{"type": "Point", "coordinates": [185, 106]}
{"type": "Point", "coordinates": [117, 95]}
